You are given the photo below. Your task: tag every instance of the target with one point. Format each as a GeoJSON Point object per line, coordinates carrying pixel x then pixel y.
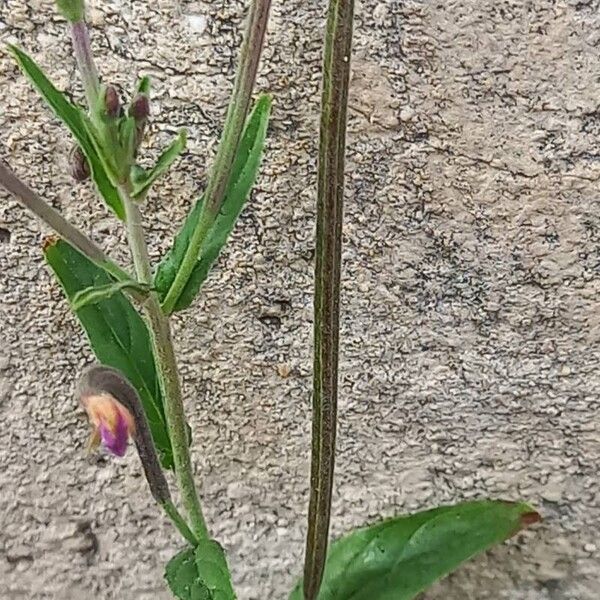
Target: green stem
{"type": "Point", "coordinates": [160, 330]}
{"type": "Point", "coordinates": [237, 113]}
{"type": "Point", "coordinates": [164, 353]}
{"type": "Point", "coordinates": [179, 522]}
{"type": "Point", "coordinates": [239, 104]}
{"type": "Point", "coordinates": [330, 193]}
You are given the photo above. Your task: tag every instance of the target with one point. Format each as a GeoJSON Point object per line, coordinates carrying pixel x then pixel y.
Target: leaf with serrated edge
{"type": "Point", "coordinates": [400, 557]}
{"type": "Point", "coordinates": [200, 573]}
{"type": "Point", "coordinates": [117, 334]}
{"type": "Point", "coordinates": [181, 574]}
{"type": "Point", "coordinates": [70, 115]}
{"type": "Point", "coordinates": [243, 175]}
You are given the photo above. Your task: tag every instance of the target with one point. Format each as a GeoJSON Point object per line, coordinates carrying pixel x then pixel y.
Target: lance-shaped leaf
{"type": "Point", "coordinates": [99, 141]}
{"type": "Point", "coordinates": [200, 573]}
{"type": "Point", "coordinates": [117, 334]}
{"type": "Point", "coordinates": [127, 139]}
{"type": "Point", "coordinates": [242, 178]}
{"type": "Point", "coordinates": [71, 116]}
{"type": "Point", "coordinates": [165, 160]}
{"type": "Point", "coordinates": [400, 557]}
{"type": "Point", "coordinates": [95, 294]}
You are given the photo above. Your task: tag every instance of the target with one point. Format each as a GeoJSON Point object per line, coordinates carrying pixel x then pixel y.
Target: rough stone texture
{"type": "Point", "coordinates": [471, 295]}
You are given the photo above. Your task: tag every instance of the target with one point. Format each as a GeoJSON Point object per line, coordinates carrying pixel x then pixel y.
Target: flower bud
{"type": "Point", "coordinates": [112, 423]}
{"type": "Point", "coordinates": [72, 10]}
{"type": "Point", "coordinates": [140, 108]}
{"type": "Point", "coordinates": [80, 169]}
{"type": "Point", "coordinates": [112, 104]}
{"type": "Point", "coordinates": [116, 414]}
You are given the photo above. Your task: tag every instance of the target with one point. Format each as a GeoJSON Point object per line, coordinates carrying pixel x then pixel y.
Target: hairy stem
{"type": "Point", "coordinates": [85, 62]}
{"type": "Point", "coordinates": [164, 353]}
{"type": "Point", "coordinates": [179, 522]}
{"type": "Point", "coordinates": [330, 194]}
{"type": "Point", "coordinates": [237, 113]}
{"type": "Point", "coordinates": [239, 104]}
{"type": "Point", "coordinates": [58, 223]}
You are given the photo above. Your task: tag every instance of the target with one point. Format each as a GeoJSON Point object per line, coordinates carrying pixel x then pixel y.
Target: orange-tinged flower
{"type": "Point", "coordinates": [112, 423]}
{"type": "Point", "coordinates": [116, 413]}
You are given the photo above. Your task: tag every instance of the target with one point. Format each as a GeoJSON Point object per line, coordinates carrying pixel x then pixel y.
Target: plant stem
{"type": "Point", "coordinates": [83, 54]}
{"type": "Point", "coordinates": [330, 195]}
{"type": "Point", "coordinates": [160, 330]}
{"type": "Point", "coordinates": [58, 223]}
{"type": "Point", "coordinates": [179, 522]}
{"type": "Point", "coordinates": [164, 353]}
{"type": "Point", "coordinates": [239, 104]}
{"type": "Point", "coordinates": [237, 113]}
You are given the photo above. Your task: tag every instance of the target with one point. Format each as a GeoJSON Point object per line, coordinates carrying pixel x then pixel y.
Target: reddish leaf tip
{"type": "Point", "coordinates": [529, 518]}
{"type": "Point", "coordinates": [525, 520]}
{"type": "Point", "coordinates": [51, 240]}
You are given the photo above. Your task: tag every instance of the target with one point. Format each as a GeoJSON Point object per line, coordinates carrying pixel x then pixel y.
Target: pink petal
{"type": "Point", "coordinates": [115, 442]}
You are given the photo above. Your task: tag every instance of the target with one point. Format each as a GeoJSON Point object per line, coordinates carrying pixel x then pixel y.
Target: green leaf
{"type": "Point", "coordinates": [200, 573]}
{"type": "Point", "coordinates": [127, 138]}
{"type": "Point", "coordinates": [165, 160]}
{"type": "Point", "coordinates": [137, 176]}
{"type": "Point", "coordinates": [99, 136]}
{"type": "Point", "coordinates": [143, 86]}
{"type": "Point", "coordinates": [95, 294]}
{"type": "Point", "coordinates": [169, 265]}
{"type": "Point", "coordinates": [118, 335]}
{"type": "Point", "coordinates": [400, 557]}
{"type": "Point", "coordinates": [72, 118]}
{"type": "Point", "coordinates": [243, 175]}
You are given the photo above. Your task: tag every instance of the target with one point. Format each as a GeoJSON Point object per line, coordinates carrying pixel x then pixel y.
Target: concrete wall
{"type": "Point", "coordinates": [471, 294]}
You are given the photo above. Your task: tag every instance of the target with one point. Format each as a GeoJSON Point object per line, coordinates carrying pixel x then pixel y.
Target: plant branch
{"type": "Point", "coordinates": [235, 120]}
{"type": "Point", "coordinates": [160, 331]}
{"type": "Point", "coordinates": [58, 223]}
{"type": "Point", "coordinates": [166, 362]}
{"type": "Point", "coordinates": [330, 195]}
{"type": "Point", "coordinates": [85, 62]}
{"type": "Point", "coordinates": [239, 104]}
{"type": "Point", "coordinates": [179, 522]}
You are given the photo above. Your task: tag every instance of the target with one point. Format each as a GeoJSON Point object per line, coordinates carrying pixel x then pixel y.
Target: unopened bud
{"type": "Point", "coordinates": [80, 168]}
{"type": "Point", "coordinates": [140, 108]}
{"type": "Point", "coordinates": [112, 104]}
{"type": "Point", "coordinates": [72, 10]}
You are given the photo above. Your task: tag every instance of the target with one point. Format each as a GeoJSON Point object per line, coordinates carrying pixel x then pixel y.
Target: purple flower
{"type": "Point", "coordinates": [112, 424]}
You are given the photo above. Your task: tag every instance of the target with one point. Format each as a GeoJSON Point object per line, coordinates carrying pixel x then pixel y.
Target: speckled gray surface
{"type": "Point", "coordinates": [471, 295]}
